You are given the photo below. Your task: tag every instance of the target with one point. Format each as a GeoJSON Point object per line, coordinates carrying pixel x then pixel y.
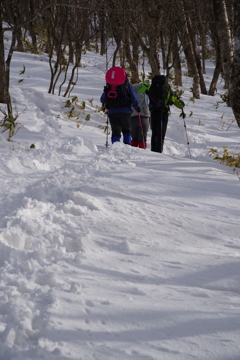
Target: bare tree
{"type": "Point", "coordinates": [234, 88]}
{"type": "Point", "coordinates": [12, 12]}
{"type": "Point", "coordinates": [188, 46]}
{"type": "Point", "coordinates": [225, 38]}
{"type": "Point", "coordinates": [150, 22]}
{"type": "Point", "coordinates": [4, 71]}
{"type": "Point", "coordinates": [176, 60]}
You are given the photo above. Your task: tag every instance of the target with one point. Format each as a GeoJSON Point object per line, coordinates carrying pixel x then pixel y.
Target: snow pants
{"type": "Point", "coordinates": [121, 124]}
{"type": "Point", "coordinates": [139, 135]}
{"type": "Point", "coordinates": [159, 121]}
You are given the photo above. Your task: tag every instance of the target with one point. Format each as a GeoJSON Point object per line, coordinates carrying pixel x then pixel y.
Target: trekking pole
{"type": "Point", "coordinates": [107, 145]}
{"type": "Point", "coordinates": [183, 115]}
{"type": "Point", "coordinates": [161, 131]}
{"type": "Point", "coordinates": [141, 129]}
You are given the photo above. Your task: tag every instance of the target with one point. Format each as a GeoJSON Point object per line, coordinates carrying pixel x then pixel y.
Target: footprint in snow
{"type": "Point", "coordinates": [89, 303]}
{"type": "Point", "coordinates": [106, 302]}
{"type": "Point", "coordinates": [200, 294]}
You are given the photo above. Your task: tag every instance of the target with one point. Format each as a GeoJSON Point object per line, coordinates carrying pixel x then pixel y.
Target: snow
{"type": "Point", "coordinates": [119, 252]}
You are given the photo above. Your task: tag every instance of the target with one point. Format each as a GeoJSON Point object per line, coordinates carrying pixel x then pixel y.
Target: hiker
{"type": "Point", "coordinates": [140, 121]}
{"type": "Point", "coordinates": [118, 95]}
{"type": "Point", "coordinates": [161, 97]}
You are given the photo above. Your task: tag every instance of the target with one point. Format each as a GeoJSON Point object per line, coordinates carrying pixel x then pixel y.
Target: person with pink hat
{"type": "Point", "coordinates": [117, 97]}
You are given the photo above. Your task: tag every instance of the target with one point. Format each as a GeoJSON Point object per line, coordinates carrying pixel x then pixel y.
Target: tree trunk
{"type": "Point", "coordinates": [164, 64]}
{"type": "Point", "coordinates": [5, 69]}
{"type": "Point", "coordinates": [169, 57]}
{"type": "Point", "coordinates": [192, 34]}
{"type": "Point", "coordinates": [151, 52]}
{"type": "Point", "coordinates": [217, 71]}
{"type": "Point", "coordinates": [19, 40]}
{"type": "Point", "coordinates": [71, 52]}
{"type": "Point", "coordinates": [114, 57]}
{"type": "Point", "coordinates": [102, 34]}
{"type": "Point", "coordinates": [154, 13]}
{"type": "Point", "coordinates": [135, 54]}
{"type": "Point", "coordinates": [176, 62]}
{"type": "Point", "coordinates": [188, 49]}
{"type": "Point", "coordinates": [132, 64]}
{"type": "Point", "coordinates": [203, 44]}
{"type": "Point", "coordinates": [32, 28]}
{"type": "Point", "coordinates": [4, 95]}
{"type": "Point", "coordinates": [234, 89]}
{"type": "Point", "coordinates": [224, 34]}
{"type": "Point", "coordinates": [199, 67]}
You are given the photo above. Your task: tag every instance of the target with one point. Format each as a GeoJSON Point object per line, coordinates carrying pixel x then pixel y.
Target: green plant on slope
{"type": "Point", "coordinates": [9, 123]}
{"type": "Point", "coordinates": [232, 160]}
{"type": "Point", "coordinates": [71, 114]}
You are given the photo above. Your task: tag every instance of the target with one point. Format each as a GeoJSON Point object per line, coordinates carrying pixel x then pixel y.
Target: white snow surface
{"type": "Point", "coordinates": [116, 253]}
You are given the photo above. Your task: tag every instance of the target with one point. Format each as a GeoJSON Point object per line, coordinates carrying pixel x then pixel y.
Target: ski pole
{"type": "Point", "coordinates": [141, 129]}
{"type": "Point", "coordinates": [185, 126]}
{"type": "Point", "coordinates": [161, 136]}
{"type": "Point", "coordinates": [107, 145]}
{"type": "Point", "coordinates": [161, 131]}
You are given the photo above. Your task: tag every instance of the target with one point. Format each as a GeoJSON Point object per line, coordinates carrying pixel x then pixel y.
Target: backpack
{"type": "Point", "coordinates": [116, 90]}
{"type": "Point", "coordinates": [159, 88]}
{"type": "Point", "coordinates": [117, 96]}
{"type": "Point", "coordinates": [143, 101]}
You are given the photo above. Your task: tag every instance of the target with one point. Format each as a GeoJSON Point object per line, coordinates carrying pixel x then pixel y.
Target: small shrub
{"type": "Point", "coordinates": [231, 160]}
{"type": "Point", "coordinates": [226, 123]}
{"type": "Point", "coordinates": [182, 114]}
{"type": "Point", "coordinates": [71, 101]}
{"type": "Point", "coordinates": [22, 71]}
{"type": "Point", "coordinates": [105, 129]}
{"type": "Point", "coordinates": [74, 104]}
{"type": "Point", "coordinates": [171, 76]}
{"type": "Point", "coordinates": [68, 103]}
{"type": "Point", "coordinates": [178, 91]}
{"type": "Point", "coordinates": [81, 124]}
{"type": "Point", "coordinates": [224, 100]}
{"type": "Point", "coordinates": [149, 76]}
{"type": "Point", "coordinates": [70, 114]}
{"type": "Point", "coordinates": [210, 52]}
{"type": "Point", "coordinates": [9, 123]}
{"type": "Point", "coordinates": [91, 101]}
{"type": "Point", "coordinates": [83, 105]}
{"type": "Point", "coordinates": [74, 100]}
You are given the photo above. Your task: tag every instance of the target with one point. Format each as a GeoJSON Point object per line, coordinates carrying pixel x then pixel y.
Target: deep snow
{"type": "Point", "coordinates": [116, 253]}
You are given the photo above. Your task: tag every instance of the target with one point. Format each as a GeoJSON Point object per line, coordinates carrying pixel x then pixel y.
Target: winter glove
{"type": "Point", "coordinates": [147, 92]}
{"type": "Point", "coordinates": [182, 102]}
{"type": "Point", "coordinates": [138, 109]}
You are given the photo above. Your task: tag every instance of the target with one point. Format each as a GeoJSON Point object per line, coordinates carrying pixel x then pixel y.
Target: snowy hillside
{"type": "Point", "coordinates": [116, 253]}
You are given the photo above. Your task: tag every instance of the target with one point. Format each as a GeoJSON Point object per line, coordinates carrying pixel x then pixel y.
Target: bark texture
{"type": "Point", "coordinates": [234, 88]}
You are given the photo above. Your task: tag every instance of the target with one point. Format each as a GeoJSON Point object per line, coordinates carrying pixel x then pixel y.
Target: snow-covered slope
{"type": "Point", "coordinates": [115, 253]}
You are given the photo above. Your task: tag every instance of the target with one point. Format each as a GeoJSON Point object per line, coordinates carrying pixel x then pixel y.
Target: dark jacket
{"type": "Point", "coordinates": [171, 98]}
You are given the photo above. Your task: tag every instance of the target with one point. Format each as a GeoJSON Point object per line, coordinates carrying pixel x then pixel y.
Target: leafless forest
{"type": "Point", "coordinates": [178, 30]}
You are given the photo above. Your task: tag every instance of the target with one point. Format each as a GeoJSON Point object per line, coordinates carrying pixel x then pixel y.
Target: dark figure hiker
{"type": "Point", "coordinates": [117, 97]}
{"type": "Point", "coordinates": [140, 121]}
{"type": "Point", "coordinates": [161, 97]}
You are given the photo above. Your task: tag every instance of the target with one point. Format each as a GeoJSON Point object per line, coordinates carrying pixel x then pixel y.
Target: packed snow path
{"type": "Point", "coordinates": [117, 254]}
